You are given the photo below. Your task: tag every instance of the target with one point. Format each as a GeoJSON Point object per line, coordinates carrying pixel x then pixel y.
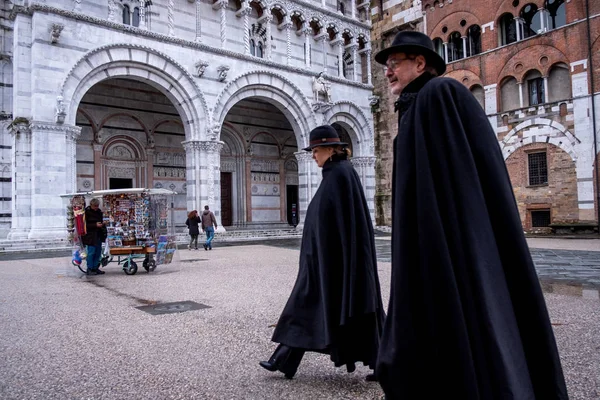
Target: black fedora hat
{"type": "Point", "coordinates": [410, 42]}
{"type": "Point", "coordinates": [324, 135]}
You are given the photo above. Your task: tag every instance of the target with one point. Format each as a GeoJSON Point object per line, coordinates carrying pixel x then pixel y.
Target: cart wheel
{"type": "Point", "coordinates": [130, 267]}
{"type": "Point", "coordinates": [82, 266]}
{"type": "Point", "coordinates": [149, 265]}
{"type": "Point", "coordinates": [105, 260]}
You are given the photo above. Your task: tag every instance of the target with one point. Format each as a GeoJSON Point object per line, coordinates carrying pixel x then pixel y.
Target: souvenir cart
{"type": "Point", "coordinates": [139, 226]}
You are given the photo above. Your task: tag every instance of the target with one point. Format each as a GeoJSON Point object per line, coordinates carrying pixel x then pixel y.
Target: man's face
{"type": "Point", "coordinates": [401, 69]}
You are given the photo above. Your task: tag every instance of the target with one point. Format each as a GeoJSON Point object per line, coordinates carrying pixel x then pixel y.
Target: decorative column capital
{"type": "Point", "coordinates": [244, 10]}
{"type": "Point", "coordinates": [220, 4]}
{"type": "Point", "coordinates": [303, 156]}
{"type": "Point", "coordinates": [19, 125]}
{"type": "Point", "coordinates": [321, 37]}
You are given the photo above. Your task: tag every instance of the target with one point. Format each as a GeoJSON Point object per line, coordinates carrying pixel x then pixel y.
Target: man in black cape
{"type": "Point", "coordinates": [335, 306]}
{"type": "Point", "coordinates": [466, 317]}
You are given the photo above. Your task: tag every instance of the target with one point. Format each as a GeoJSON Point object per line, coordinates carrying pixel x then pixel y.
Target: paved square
{"type": "Point", "coordinates": [67, 336]}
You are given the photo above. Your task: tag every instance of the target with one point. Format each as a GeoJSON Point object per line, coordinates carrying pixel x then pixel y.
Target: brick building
{"type": "Point", "coordinates": [526, 61]}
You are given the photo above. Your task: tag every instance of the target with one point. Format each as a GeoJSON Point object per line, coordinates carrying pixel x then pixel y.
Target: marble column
{"type": "Point", "coordinates": [546, 90]}
{"type": "Point", "coordinates": [321, 37]}
{"type": "Point", "coordinates": [150, 168]}
{"type": "Point", "coordinates": [244, 12]}
{"type": "Point", "coordinates": [287, 25]}
{"type": "Point", "coordinates": [171, 17]}
{"type": "Point", "coordinates": [521, 103]}
{"type": "Point", "coordinates": [52, 161]}
{"type": "Point", "coordinates": [368, 58]}
{"type": "Point", "coordinates": [445, 51]}
{"type": "Point", "coordinates": [542, 14]}
{"type": "Point", "coordinates": [98, 172]}
{"type": "Point", "coordinates": [353, 48]}
{"type": "Point", "coordinates": [365, 167]}
{"type": "Point", "coordinates": [21, 181]}
{"type": "Point", "coordinates": [307, 31]}
{"type": "Point", "coordinates": [340, 50]}
{"type": "Point", "coordinates": [307, 183]}
{"type": "Point", "coordinates": [353, 7]}
{"type": "Point", "coordinates": [519, 27]}
{"type": "Point", "coordinates": [142, 14]}
{"type": "Point", "coordinates": [266, 20]}
{"type": "Point", "coordinates": [464, 40]}
{"type": "Point", "coordinates": [198, 21]}
{"type": "Point", "coordinates": [221, 5]}
{"type": "Point", "coordinates": [210, 177]}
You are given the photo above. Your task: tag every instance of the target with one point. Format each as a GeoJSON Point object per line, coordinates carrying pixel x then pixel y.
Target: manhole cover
{"type": "Point", "coordinates": [172, 308]}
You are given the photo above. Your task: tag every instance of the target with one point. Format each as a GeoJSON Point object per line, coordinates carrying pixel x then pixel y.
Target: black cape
{"type": "Point", "coordinates": [335, 306]}
{"type": "Point", "coordinates": [466, 317]}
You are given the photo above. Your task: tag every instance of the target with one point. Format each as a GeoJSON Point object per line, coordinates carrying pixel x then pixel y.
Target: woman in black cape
{"type": "Point", "coordinates": [335, 307]}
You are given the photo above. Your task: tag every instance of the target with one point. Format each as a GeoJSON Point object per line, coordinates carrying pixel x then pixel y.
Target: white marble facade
{"type": "Point", "coordinates": [167, 93]}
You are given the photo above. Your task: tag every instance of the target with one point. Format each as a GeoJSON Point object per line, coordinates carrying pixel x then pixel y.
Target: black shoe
{"type": "Point", "coordinates": [90, 272]}
{"type": "Point", "coordinates": [99, 272]}
{"type": "Point", "coordinates": [268, 366]}
{"type": "Point", "coordinates": [205, 247]}
{"type": "Point", "coordinates": [371, 378]}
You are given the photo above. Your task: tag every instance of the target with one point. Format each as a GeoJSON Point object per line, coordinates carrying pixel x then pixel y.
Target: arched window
{"type": "Point", "coordinates": [136, 17]}
{"type": "Point", "coordinates": [473, 40]}
{"type": "Point", "coordinates": [479, 94]}
{"type": "Point", "coordinates": [559, 83]}
{"type": "Point", "coordinates": [532, 22]}
{"type": "Point", "coordinates": [342, 8]}
{"type": "Point", "coordinates": [126, 15]}
{"type": "Point", "coordinates": [348, 67]}
{"type": "Point", "coordinates": [259, 50]}
{"type": "Point", "coordinates": [509, 94]}
{"type": "Point", "coordinates": [252, 47]}
{"type": "Point", "coordinates": [438, 46]}
{"type": "Point", "coordinates": [455, 47]}
{"type": "Point", "coordinates": [508, 29]}
{"type": "Point", "coordinates": [534, 84]}
{"type": "Point", "coordinates": [558, 15]}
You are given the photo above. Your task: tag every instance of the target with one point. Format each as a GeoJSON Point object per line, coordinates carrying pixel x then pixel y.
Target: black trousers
{"type": "Point", "coordinates": [287, 359]}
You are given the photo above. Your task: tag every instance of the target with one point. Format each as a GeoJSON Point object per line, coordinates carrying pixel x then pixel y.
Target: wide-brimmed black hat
{"type": "Point", "coordinates": [324, 135]}
{"type": "Point", "coordinates": [410, 42]}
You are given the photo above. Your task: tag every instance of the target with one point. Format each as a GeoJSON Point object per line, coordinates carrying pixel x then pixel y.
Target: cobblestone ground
{"type": "Point", "coordinates": [67, 336]}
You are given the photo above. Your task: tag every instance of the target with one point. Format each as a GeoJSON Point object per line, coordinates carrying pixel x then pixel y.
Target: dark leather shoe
{"type": "Point", "coordinates": [268, 366]}
{"type": "Point", "coordinates": [99, 272]}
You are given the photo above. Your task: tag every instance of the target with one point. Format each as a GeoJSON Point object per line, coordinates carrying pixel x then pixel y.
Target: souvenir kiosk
{"type": "Point", "coordinates": [139, 227]}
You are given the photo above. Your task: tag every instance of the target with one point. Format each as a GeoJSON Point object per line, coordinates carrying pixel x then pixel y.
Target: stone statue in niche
{"type": "Point", "coordinates": [60, 110]}
{"type": "Point", "coordinates": [55, 31]}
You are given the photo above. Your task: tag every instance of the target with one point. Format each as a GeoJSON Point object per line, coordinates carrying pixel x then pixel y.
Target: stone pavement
{"type": "Point", "coordinates": [67, 336]}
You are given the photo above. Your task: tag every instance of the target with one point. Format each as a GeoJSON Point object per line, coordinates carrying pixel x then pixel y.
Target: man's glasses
{"type": "Point", "coordinates": [395, 63]}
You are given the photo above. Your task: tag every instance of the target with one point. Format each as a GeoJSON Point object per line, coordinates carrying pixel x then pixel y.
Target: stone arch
{"type": "Point", "coordinates": [452, 21]}
{"type": "Point", "coordinates": [522, 62]}
{"type": "Point", "coordinates": [350, 115]}
{"type": "Point", "coordinates": [164, 121]}
{"type": "Point", "coordinates": [467, 77]}
{"type": "Point", "coordinates": [279, 91]}
{"type": "Point", "coordinates": [548, 131]}
{"type": "Point", "coordinates": [144, 64]}
{"type": "Point", "coordinates": [236, 138]}
{"type": "Point", "coordinates": [121, 114]}
{"type": "Point", "coordinates": [277, 5]}
{"type": "Point", "coordinates": [89, 118]}
{"type": "Point", "coordinates": [128, 142]}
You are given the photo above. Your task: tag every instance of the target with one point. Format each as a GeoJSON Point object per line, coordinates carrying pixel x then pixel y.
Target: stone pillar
{"type": "Point", "coordinates": [464, 40]}
{"type": "Point", "coordinates": [282, 192]}
{"type": "Point", "coordinates": [306, 31]}
{"type": "Point", "coordinates": [368, 58]}
{"type": "Point", "coordinates": [198, 23]}
{"type": "Point", "coordinates": [221, 5]}
{"type": "Point", "coordinates": [582, 114]}
{"type": "Point", "coordinates": [210, 177]}
{"type": "Point", "coordinates": [491, 104]}
{"type": "Point", "coordinates": [353, 7]}
{"type": "Point", "coordinates": [306, 182]}
{"type": "Point", "coordinates": [244, 12]}
{"type": "Point", "coordinates": [520, 85]}
{"type": "Point", "coordinates": [365, 167]}
{"type": "Point", "coordinates": [268, 45]}
{"type": "Point", "coordinates": [546, 90]}
{"type": "Point", "coordinates": [321, 38]}
{"type": "Point", "coordinates": [287, 25]}
{"type": "Point", "coordinates": [354, 49]}
{"type": "Point", "coordinates": [193, 163]}
{"type": "Point", "coordinates": [71, 135]}
{"type": "Point", "coordinates": [98, 173]}
{"type": "Point", "coordinates": [142, 14]}
{"type": "Point", "coordinates": [248, 180]}
{"type": "Point", "coordinates": [340, 49]}
{"type": "Point", "coordinates": [171, 17]}
{"type": "Point", "coordinates": [445, 51]}
{"type": "Point", "coordinates": [519, 27]}
{"type": "Point", "coordinates": [542, 13]}
{"type": "Point", "coordinates": [50, 167]}
{"type": "Point", "coordinates": [21, 181]}
{"type": "Point", "coordinates": [150, 169]}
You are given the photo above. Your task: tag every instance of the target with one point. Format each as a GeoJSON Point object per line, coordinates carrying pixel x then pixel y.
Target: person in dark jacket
{"type": "Point", "coordinates": [466, 318]}
{"type": "Point", "coordinates": [192, 222]}
{"type": "Point", "coordinates": [335, 306]}
{"type": "Point", "coordinates": [209, 224]}
{"type": "Point", "coordinates": [94, 236]}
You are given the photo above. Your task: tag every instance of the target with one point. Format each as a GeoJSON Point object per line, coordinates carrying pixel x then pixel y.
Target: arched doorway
{"type": "Point", "coordinates": [259, 173]}
{"type": "Point", "coordinates": [131, 137]}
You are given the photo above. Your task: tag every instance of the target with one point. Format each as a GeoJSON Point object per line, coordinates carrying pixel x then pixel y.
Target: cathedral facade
{"type": "Point", "coordinates": [211, 99]}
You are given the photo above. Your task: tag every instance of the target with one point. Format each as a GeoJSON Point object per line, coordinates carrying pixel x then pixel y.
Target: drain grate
{"type": "Point", "coordinates": [172, 308]}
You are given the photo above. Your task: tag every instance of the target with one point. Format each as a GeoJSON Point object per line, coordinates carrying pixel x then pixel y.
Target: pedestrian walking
{"type": "Point", "coordinates": [94, 236]}
{"type": "Point", "coordinates": [193, 222]}
{"type": "Point", "coordinates": [466, 317]}
{"type": "Point", "coordinates": [335, 306]}
{"type": "Point", "coordinates": [209, 224]}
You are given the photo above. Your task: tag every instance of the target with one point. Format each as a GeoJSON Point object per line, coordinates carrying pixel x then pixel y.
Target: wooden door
{"type": "Point", "coordinates": [226, 198]}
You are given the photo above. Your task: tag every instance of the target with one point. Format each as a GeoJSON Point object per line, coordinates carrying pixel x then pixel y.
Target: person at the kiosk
{"type": "Point", "coordinates": [95, 235]}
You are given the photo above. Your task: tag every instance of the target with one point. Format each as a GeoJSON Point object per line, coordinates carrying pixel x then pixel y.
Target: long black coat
{"type": "Point", "coordinates": [335, 306]}
{"type": "Point", "coordinates": [193, 225]}
{"type": "Point", "coordinates": [466, 318]}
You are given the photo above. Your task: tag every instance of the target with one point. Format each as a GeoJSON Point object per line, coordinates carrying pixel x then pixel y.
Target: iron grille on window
{"type": "Point", "coordinates": [540, 218]}
{"type": "Point", "coordinates": [538, 169]}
